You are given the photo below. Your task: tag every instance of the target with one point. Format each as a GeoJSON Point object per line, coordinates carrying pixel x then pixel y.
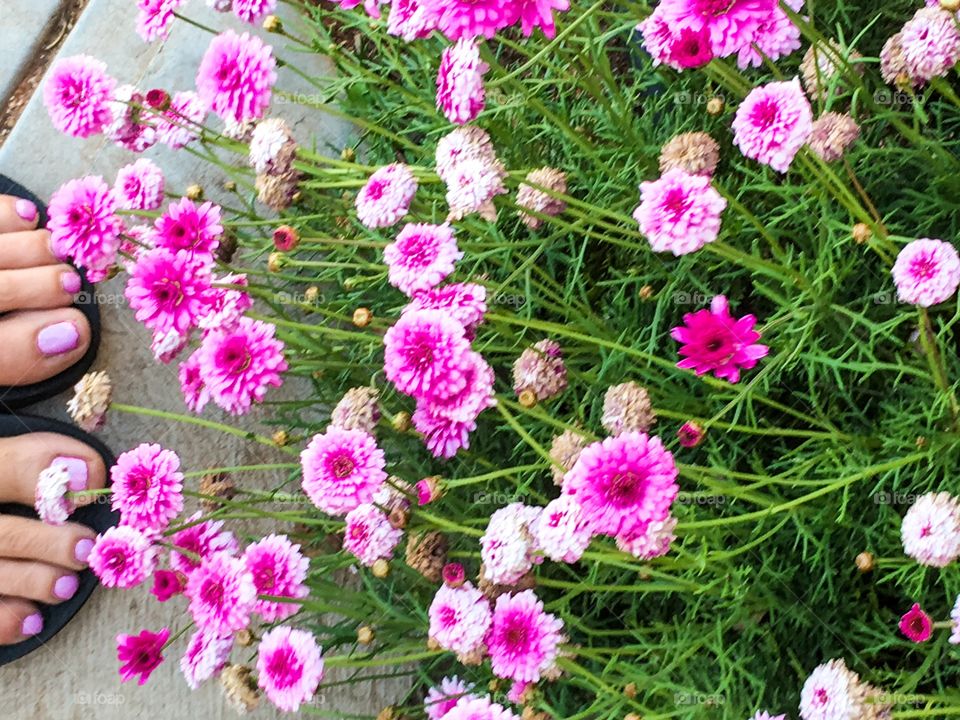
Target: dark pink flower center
{"type": "Point", "coordinates": [923, 267]}
{"type": "Point", "coordinates": [375, 190]}
{"type": "Point", "coordinates": [234, 356]}
{"type": "Point", "coordinates": [212, 592]}
{"type": "Point", "coordinates": [117, 559]}
{"type": "Point", "coordinates": [168, 292]}
{"type": "Point", "coordinates": [284, 668]}
{"type": "Point", "coordinates": [265, 578]}
{"type": "Point", "coordinates": [419, 250]}
{"type": "Point", "coordinates": [676, 203]}
{"type": "Point", "coordinates": [765, 114]}
{"type": "Point", "coordinates": [448, 616]}
{"type": "Point", "coordinates": [821, 697]}
{"type": "Point", "coordinates": [342, 466]}
{"type": "Point", "coordinates": [138, 482]}
{"type": "Point", "coordinates": [626, 488]}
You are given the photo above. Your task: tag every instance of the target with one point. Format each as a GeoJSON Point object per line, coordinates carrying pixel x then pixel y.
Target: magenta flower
{"type": "Point", "coordinates": [623, 483]}
{"type": "Point", "coordinates": [140, 654]}
{"type": "Point", "coordinates": [679, 213]}
{"type": "Point", "coordinates": [441, 698]}
{"type": "Point", "coordinates": [194, 389]}
{"type": "Point", "coordinates": [179, 124]}
{"type": "Point", "coordinates": [459, 619]}
{"type": "Point", "coordinates": [279, 570]}
{"type": "Point", "coordinates": [460, 93]}
{"type": "Point", "coordinates": [690, 434]}
{"type": "Point", "coordinates": [166, 584]}
{"type": "Point", "coordinates": [289, 667]}
{"type": "Point", "coordinates": [123, 557]}
{"type": "Point", "coordinates": [238, 364]}
{"type": "Point", "coordinates": [916, 624]}
{"type": "Point", "coordinates": [690, 48]}
{"type": "Point", "coordinates": [408, 20]}
{"type": "Point", "coordinates": [772, 123]}
{"type": "Point", "coordinates": [206, 655]}
{"type": "Point", "coordinates": [368, 534]}
{"type": "Point", "coordinates": [222, 594]}
{"type": "Point", "coordinates": [539, 14]}
{"type": "Point", "coordinates": [464, 302]}
{"type": "Point", "coordinates": [731, 24]}
{"type": "Point", "coordinates": [139, 186]}
{"type": "Point", "coordinates": [236, 76]}
{"type": "Point", "coordinates": [468, 18]}
{"type": "Point", "coordinates": [201, 539]}
{"type": "Point", "coordinates": [930, 44]}
{"type": "Point", "coordinates": [155, 17]}
{"type": "Point", "coordinates": [168, 291]}
{"type": "Point", "coordinates": [76, 93]}
{"type": "Point", "coordinates": [714, 341]}
{"type": "Point", "coordinates": [471, 707]}
{"type": "Point", "coordinates": [147, 487]}
{"type": "Point", "coordinates": [421, 256]}
{"type": "Point", "coordinates": [252, 11]}
{"type": "Point", "coordinates": [184, 226]}
{"type": "Point", "coordinates": [342, 469]}
{"type": "Point", "coordinates": [776, 37]}
{"type": "Point", "coordinates": [524, 640]}
{"type": "Point", "coordinates": [83, 225]}
{"type": "Point", "coordinates": [927, 272]}
{"type": "Point", "coordinates": [423, 354]}
{"type": "Point", "coordinates": [386, 197]}
{"type": "Point", "coordinates": [454, 573]}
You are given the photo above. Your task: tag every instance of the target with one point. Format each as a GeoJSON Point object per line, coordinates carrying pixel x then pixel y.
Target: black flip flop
{"type": "Point", "coordinates": [97, 516]}
{"type": "Point", "coordinates": [14, 398]}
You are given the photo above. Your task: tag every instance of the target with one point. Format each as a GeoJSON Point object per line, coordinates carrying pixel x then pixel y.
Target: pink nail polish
{"type": "Point", "coordinates": [32, 625]}
{"type": "Point", "coordinates": [26, 209]}
{"type": "Point", "coordinates": [66, 586]}
{"type": "Point", "coordinates": [76, 471]}
{"type": "Point", "coordinates": [82, 551]}
{"type": "Point", "coordinates": [70, 282]}
{"type": "Point", "coordinates": [58, 338]}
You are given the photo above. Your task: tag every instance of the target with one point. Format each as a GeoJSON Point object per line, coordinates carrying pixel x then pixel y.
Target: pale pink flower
{"type": "Point", "coordinates": [772, 123]}
{"type": "Point", "coordinates": [651, 541]}
{"type": "Point", "coordinates": [221, 593]}
{"type": "Point", "coordinates": [155, 17]}
{"type": "Point", "coordinates": [441, 698]}
{"type": "Point", "coordinates": [226, 303]}
{"type": "Point", "coordinates": [472, 184]}
{"type": "Point", "coordinates": [180, 124]}
{"type": "Point", "coordinates": [459, 619]}
{"type": "Point", "coordinates": [147, 487]}
{"type": "Point", "coordinates": [421, 257]}
{"type": "Point", "coordinates": [342, 469]}
{"type": "Point", "coordinates": [508, 546]}
{"type": "Point", "coordinates": [139, 186]}
{"type": "Point", "coordinates": [252, 11]}
{"type": "Point", "coordinates": [51, 501]}
{"type": "Point", "coordinates": [479, 708]}
{"type": "Point", "coordinates": [776, 37]}
{"type": "Point", "coordinates": [680, 212]}
{"type": "Point", "coordinates": [409, 21]}
{"type": "Point", "coordinates": [927, 272]}
{"type": "Point", "coordinates": [76, 93]}
{"type": "Point", "coordinates": [194, 389]}
{"type": "Point", "coordinates": [236, 76]}
{"type": "Point", "coordinates": [930, 44]}
{"type": "Point", "coordinates": [128, 127]}
{"type": "Point", "coordinates": [289, 667]}
{"type": "Point", "coordinates": [460, 93]}
{"type": "Point", "coordinates": [206, 655]}
{"type": "Point", "coordinates": [930, 530]}
{"type": "Point", "coordinates": [955, 623]}
{"type": "Point", "coordinates": [368, 534]}
{"type": "Point", "coordinates": [561, 532]}
{"type": "Point", "coordinates": [386, 197]}
{"type": "Point", "coordinates": [833, 692]}
{"type": "Point", "coordinates": [123, 557]}
{"type": "Point", "coordinates": [524, 640]}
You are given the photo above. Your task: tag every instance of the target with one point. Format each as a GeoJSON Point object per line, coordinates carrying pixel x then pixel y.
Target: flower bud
{"type": "Point", "coordinates": [865, 562]}
{"type": "Point", "coordinates": [715, 106]}
{"type": "Point", "coordinates": [195, 192]}
{"type": "Point", "coordinates": [362, 317]}
{"type": "Point", "coordinates": [272, 24]}
{"type": "Point", "coordinates": [381, 568]}
{"type": "Point", "coordinates": [365, 635]}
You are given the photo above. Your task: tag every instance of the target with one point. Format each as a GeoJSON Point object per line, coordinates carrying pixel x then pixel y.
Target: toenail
{"type": "Point", "coordinates": [32, 624]}
{"type": "Point", "coordinates": [82, 551]}
{"type": "Point", "coordinates": [70, 282]}
{"type": "Point", "coordinates": [66, 586]}
{"type": "Point", "coordinates": [26, 210]}
{"type": "Point", "coordinates": [76, 470]}
{"type": "Point", "coordinates": [58, 338]}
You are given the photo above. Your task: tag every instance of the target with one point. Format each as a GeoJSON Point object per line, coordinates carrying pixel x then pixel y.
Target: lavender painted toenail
{"type": "Point", "coordinates": [26, 210]}
{"type": "Point", "coordinates": [70, 282]}
{"type": "Point", "coordinates": [32, 624]}
{"type": "Point", "coordinates": [82, 551]}
{"type": "Point", "coordinates": [66, 586]}
{"type": "Point", "coordinates": [58, 338]}
{"type": "Point", "coordinates": [76, 469]}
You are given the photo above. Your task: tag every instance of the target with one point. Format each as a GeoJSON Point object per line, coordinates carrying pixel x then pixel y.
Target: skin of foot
{"type": "Point", "coordinates": [40, 336]}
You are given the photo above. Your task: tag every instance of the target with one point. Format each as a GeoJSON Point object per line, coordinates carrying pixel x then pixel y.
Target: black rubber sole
{"type": "Point", "coordinates": [97, 516]}
{"type": "Point", "coordinates": [14, 398]}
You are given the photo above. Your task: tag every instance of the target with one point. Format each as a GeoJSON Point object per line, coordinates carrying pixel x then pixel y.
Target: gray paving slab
{"type": "Point", "coordinates": [22, 26]}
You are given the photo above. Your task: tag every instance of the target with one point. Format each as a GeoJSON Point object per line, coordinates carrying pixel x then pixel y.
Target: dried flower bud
{"type": "Point", "coordinates": [348, 154]}
{"type": "Point", "coordinates": [690, 434]}
{"type": "Point", "coordinates": [240, 688]}
{"type": "Point", "coordinates": [195, 192]}
{"type": "Point", "coordinates": [645, 293]}
{"type": "Point", "coordinates": [216, 485]}
{"type": "Point", "coordinates": [365, 635]}
{"type": "Point", "coordinates": [630, 690]}
{"type": "Point", "coordinates": [536, 200]}
{"type": "Point", "coordinates": [245, 638]}
{"type": "Point", "coordinates": [157, 99]}
{"type": "Point", "coordinates": [564, 451]}
{"type": "Point", "coordinates": [627, 407]}
{"type": "Point", "coordinates": [357, 410]}
{"type": "Point", "coordinates": [832, 134]}
{"type": "Point", "coordinates": [362, 317]}
{"type": "Point", "coordinates": [278, 192]}
{"type": "Point", "coordinates": [311, 294]}
{"type": "Point", "coordinates": [397, 517]}
{"type": "Point", "coordinates": [861, 233]}
{"type": "Point", "coordinates": [401, 421]}
{"type": "Point", "coordinates": [950, 5]}
{"type": "Point", "coordinates": [281, 438]}
{"type": "Point", "coordinates": [715, 106]}
{"type": "Point", "coordinates": [229, 185]}
{"type": "Point", "coordinates": [388, 713]}
{"type": "Point", "coordinates": [285, 238]}
{"type": "Point", "coordinates": [227, 247]}
{"type": "Point", "coordinates": [427, 554]}
{"type": "Point", "coordinates": [91, 400]}
{"type": "Point", "coordinates": [921, 441]}
{"type": "Point", "coordinates": [272, 24]}
{"type": "Point", "coordinates": [381, 568]}
{"type": "Point", "coordinates": [865, 562]}
{"type": "Point", "coordinates": [429, 489]}
{"type": "Point", "coordinates": [275, 262]}
{"type": "Point", "coordinates": [695, 153]}
{"type": "Point", "coordinates": [527, 398]}
{"type": "Point", "coordinates": [540, 368]}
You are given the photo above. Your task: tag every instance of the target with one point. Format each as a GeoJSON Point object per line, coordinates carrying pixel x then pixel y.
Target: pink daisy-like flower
{"type": "Point", "coordinates": [168, 291]}
{"type": "Point", "coordinates": [289, 667]}
{"type": "Point", "coordinates": [76, 94]}
{"type": "Point", "coordinates": [139, 186]}
{"type": "Point", "coordinates": [776, 37]}
{"type": "Point", "coordinates": [464, 302]}
{"type": "Point", "coordinates": [342, 469]}
{"type": "Point", "coordinates": [368, 534]}
{"type": "Point", "coordinates": [561, 532]}
{"type": "Point", "coordinates": [421, 256]}
{"type": "Point", "coordinates": [372, 7]}
{"type": "Point", "coordinates": [123, 557]}
{"type": "Point", "coordinates": [147, 487]}
{"type": "Point", "coordinates": [140, 654]}
{"type": "Point", "coordinates": [222, 594]}
{"type": "Point", "coordinates": [462, 144]}
{"type": "Point", "coordinates": [763, 715]}
{"type": "Point", "coordinates": [50, 497]}
{"type": "Point", "coordinates": [460, 93]}
{"type": "Point", "coordinates": [226, 303]}
{"type": "Point", "coordinates": [206, 655]}
{"type": "Point", "coordinates": [690, 49]}
{"type": "Point", "coordinates": [523, 641]}
{"type": "Point", "coordinates": [194, 389]}
{"type": "Point", "coordinates": [279, 570]}
{"type": "Point", "coordinates": [83, 225]}
{"type": "Point", "coordinates": [541, 370]}
{"type": "Point", "coordinates": [409, 21]}
{"type": "Point", "coordinates": [202, 540]}
{"type": "Point", "coordinates": [680, 212]}
{"type": "Point", "coordinates": [179, 124]}
{"type": "Point", "coordinates": [772, 123]}
{"type": "Point", "coordinates": [479, 708]}
{"type": "Point", "coordinates": [955, 623]}
{"type": "Point", "coordinates": [423, 353]}
{"type": "Point", "coordinates": [916, 624]}
{"type": "Point", "coordinates": [386, 197]}
{"type": "Point", "coordinates": [930, 530]}
{"type": "Point", "coordinates": [731, 24]}
{"type": "Point", "coordinates": [468, 18]}
{"type": "Point", "coordinates": [155, 17]}
{"type": "Point", "coordinates": [127, 127]}
{"type": "Point", "coordinates": [714, 341]}
{"type": "Point", "coordinates": [441, 698]}
{"type": "Point", "coordinates": [652, 541]}
{"type": "Point", "coordinates": [167, 584]}
{"type": "Point", "coordinates": [930, 44]}
{"type": "Point", "coordinates": [833, 692]}
{"type": "Point", "coordinates": [238, 364]}
{"type": "Point", "coordinates": [459, 619]}
{"type": "Point", "coordinates": [236, 76]}
{"type": "Point", "coordinates": [252, 11]}
{"type": "Point", "coordinates": [472, 184]}
{"type": "Point", "coordinates": [508, 545]}
{"type": "Point", "coordinates": [623, 483]}
{"type": "Point", "coordinates": [927, 272]}
{"type": "Point", "coordinates": [539, 14]}
{"type": "Point", "coordinates": [184, 226]}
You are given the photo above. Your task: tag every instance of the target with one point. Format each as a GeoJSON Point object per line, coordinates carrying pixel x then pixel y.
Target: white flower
{"type": "Point", "coordinates": [52, 504]}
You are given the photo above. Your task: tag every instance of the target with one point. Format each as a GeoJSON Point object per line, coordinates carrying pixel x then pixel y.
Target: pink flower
{"type": "Point", "coordinates": [714, 341]}
{"type": "Point", "coordinates": [139, 186]}
{"type": "Point", "coordinates": [423, 354]}
{"type": "Point", "coordinates": [194, 389]}
{"type": "Point", "coordinates": [127, 127]}
{"type": "Point", "coordinates": [927, 272]}
{"type": "Point", "coordinates": [289, 667]}
{"type": "Point", "coordinates": [679, 213]}
{"type": "Point", "coordinates": [916, 624]}
{"type": "Point", "coordinates": [184, 226]}
{"type": "Point", "coordinates": [83, 225]}
{"type": "Point", "coordinates": [166, 584]}
{"type": "Point", "coordinates": [147, 487]}
{"type": "Point", "coordinates": [690, 48]}
{"type": "Point", "coordinates": [421, 256]}
{"type": "Point", "coordinates": [462, 144]}
{"type": "Point", "coordinates": [226, 303]}
{"type": "Point", "coordinates": [467, 18]}
{"type": "Point", "coordinates": [408, 20]}
{"type": "Point", "coordinates": [459, 619]}
{"type": "Point", "coordinates": [76, 93]}
{"type": "Point", "coordinates": [464, 302]}
{"type": "Point", "coordinates": [523, 641]}
{"type": "Point", "coordinates": [155, 17]}
{"type": "Point", "coordinates": [342, 469]}
{"type": "Point", "coordinates": [508, 546]}
{"type": "Point", "coordinates": [776, 37]}
{"type": "Point", "coordinates": [767, 716]}
{"type": "Point", "coordinates": [772, 123]}
{"type": "Point", "coordinates": [51, 501]}
{"type": "Point", "coordinates": [690, 434]}
{"type": "Point", "coordinates": [479, 708]}
{"type": "Point", "coordinates": [123, 557]}
{"type": "Point", "coordinates": [472, 184]}
{"type": "Point", "coordinates": [140, 654]}
{"type": "Point", "coordinates": [539, 14]}
{"type": "Point", "coordinates": [832, 691]}
{"type": "Point", "coordinates": [561, 531]}
{"type": "Point", "coordinates": [167, 345]}
{"type": "Point", "coordinates": [222, 594]}
{"type": "Point", "coordinates": [371, 6]}
{"type": "Point", "coordinates": [179, 124]}
{"type": "Point", "coordinates": [278, 570]}
{"type": "Point", "coordinates": [441, 698]}
{"type": "Point", "coordinates": [236, 76]}
{"type": "Point", "coordinates": [238, 364]}
{"type": "Point", "coordinates": [651, 541]}
{"type": "Point", "coordinates": [168, 291]}
{"type": "Point", "coordinates": [252, 11]}
{"type": "Point", "coordinates": [930, 530]}
{"type": "Point", "coordinates": [386, 197]}
{"type": "Point", "coordinates": [460, 94]}
{"type": "Point", "coordinates": [930, 44]}
{"type": "Point", "coordinates": [368, 535]}
{"type": "Point", "coordinates": [623, 483]}
{"type": "Point", "coordinates": [453, 573]}
{"type": "Point", "coordinates": [206, 655]}
{"type": "Point", "coordinates": [200, 539]}
{"type": "Point", "coordinates": [731, 24]}
{"type": "Point", "coordinates": [955, 623]}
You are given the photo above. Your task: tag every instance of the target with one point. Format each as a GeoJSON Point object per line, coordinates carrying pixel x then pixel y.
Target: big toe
{"type": "Point", "coordinates": [39, 344]}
